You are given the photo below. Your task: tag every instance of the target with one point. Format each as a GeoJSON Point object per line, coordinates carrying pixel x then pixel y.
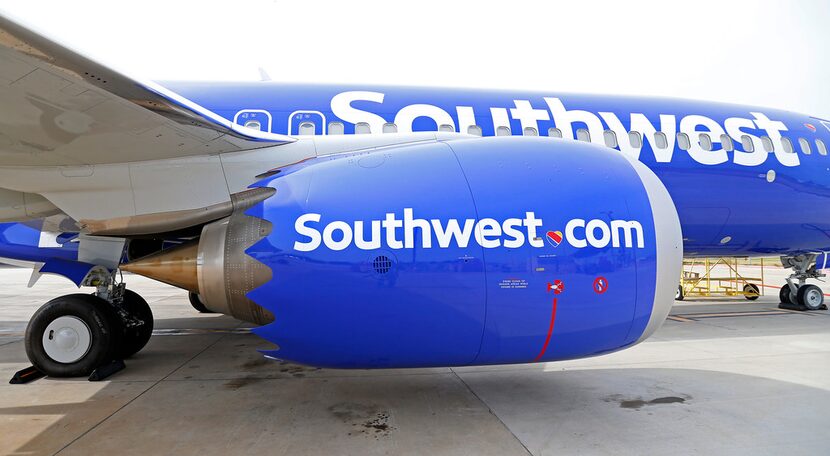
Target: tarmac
{"type": "Point", "coordinates": [720, 377]}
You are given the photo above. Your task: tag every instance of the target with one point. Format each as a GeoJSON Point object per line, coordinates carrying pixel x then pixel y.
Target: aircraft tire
{"type": "Point", "coordinates": [751, 291]}
{"type": "Point", "coordinates": [811, 297]}
{"type": "Point", "coordinates": [72, 335]}
{"type": "Point", "coordinates": [136, 338]}
{"type": "Point", "coordinates": [678, 295]}
{"type": "Point", "coordinates": [784, 295]}
{"type": "Point", "coordinates": [196, 302]}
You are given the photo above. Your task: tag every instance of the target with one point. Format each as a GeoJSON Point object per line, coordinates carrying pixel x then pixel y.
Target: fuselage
{"type": "Point", "coordinates": [756, 183]}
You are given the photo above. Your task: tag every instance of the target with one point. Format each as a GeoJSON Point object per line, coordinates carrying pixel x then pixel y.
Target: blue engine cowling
{"type": "Point", "coordinates": [479, 251]}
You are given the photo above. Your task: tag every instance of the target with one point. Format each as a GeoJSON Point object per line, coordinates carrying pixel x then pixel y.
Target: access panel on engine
{"type": "Point", "coordinates": [571, 288]}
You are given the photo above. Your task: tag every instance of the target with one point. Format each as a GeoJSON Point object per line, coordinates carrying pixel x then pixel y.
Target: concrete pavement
{"type": "Point", "coordinates": [726, 377]}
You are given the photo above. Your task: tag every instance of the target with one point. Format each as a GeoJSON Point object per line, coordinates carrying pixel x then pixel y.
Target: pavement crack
{"type": "Point", "coordinates": [492, 412]}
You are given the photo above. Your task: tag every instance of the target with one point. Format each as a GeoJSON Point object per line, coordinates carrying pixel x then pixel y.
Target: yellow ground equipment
{"type": "Point", "coordinates": [721, 277]}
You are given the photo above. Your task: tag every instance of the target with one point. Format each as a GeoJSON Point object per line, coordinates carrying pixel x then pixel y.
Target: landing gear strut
{"type": "Point", "coordinates": [76, 334]}
{"type": "Point", "coordinates": [796, 292]}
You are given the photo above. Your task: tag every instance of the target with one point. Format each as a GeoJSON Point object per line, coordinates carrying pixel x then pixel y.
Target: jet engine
{"type": "Point", "coordinates": [478, 251]}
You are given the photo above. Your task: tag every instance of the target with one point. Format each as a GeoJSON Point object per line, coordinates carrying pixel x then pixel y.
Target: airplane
{"type": "Point", "coordinates": [380, 227]}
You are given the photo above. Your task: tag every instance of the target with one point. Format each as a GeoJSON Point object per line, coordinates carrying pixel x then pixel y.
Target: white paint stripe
{"type": "Point", "coordinates": [48, 240]}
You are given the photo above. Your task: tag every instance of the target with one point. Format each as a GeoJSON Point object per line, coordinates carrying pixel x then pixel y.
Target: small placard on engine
{"type": "Point", "coordinates": [513, 284]}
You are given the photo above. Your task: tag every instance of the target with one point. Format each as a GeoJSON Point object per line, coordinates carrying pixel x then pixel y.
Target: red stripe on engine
{"type": "Point", "coordinates": [550, 331]}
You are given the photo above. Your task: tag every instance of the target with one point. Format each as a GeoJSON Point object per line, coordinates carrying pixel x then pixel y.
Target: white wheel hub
{"type": "Point", "coordinates": [813, 298]}
{"type": "Point", "coordinates": [67, 339]}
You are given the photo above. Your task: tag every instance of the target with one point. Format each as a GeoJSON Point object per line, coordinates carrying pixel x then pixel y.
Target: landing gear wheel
{"type": "Point", "coordinates": [678, 295]}
{"type": "Point", "coordinates": [810, 296]}
{"type": "Point", "coordinates": [751, 291]}
{"type": "Point", "coordinates": [784, 295]}
{"type": "Point", "coordinates": [136, 337]}
{"type": "Point", "coordinates": [72, 335]}
{"type": "Point", "coordinates": [196, 302]}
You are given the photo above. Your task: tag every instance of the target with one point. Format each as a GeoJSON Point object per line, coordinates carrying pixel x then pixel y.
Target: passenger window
{"type": "Point", "coordinates": [705, 141]}
{"type": "Point", "coordinates": [389, 127]}
{"type": "Point", "coordinates": [610, 138]}
{"type": "Point", "coordinates": [683, 141]}
{"type": "Point", "coordinates": [583, 135]}
{"type": "Point", "coordinates": [727, 143]}
{"type": "Point", "coordinates": [307, 129]}
{"type": "Point", "coordinates": [635, 139]}
{"type": "Point", "coordinates": [747, 144]}
{"type": "Point", "coordinates": [503, 131]}
{"type": "Point", "coordinates": [362, 128]}
{"type": "Point", "coordinates": [336, 128]}
{"type": "Point", "coordinates": [446, 128]}
{"type": "Point", "coordinates": [767, 143]}
{"type": "Point", "coordinates": [822, 148]}
{"type": "Point", "coordinates": [474, 130]}
{"type": "Point", "coordinates": [554, 132]}
{"type": "Point", "coordinates": [530, 131]}
{"type": "Point", "coordinates": [661, 140]}
{"type": "Point", "coordinates": [805, 146]}
{"type": "Point", "coordinates": [788, 145]}
{"type": "Point", "coordinates": [253, 125]}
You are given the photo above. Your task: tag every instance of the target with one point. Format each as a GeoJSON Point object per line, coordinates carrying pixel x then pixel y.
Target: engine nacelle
{"type": "Point", "coordinates": [481, 251]}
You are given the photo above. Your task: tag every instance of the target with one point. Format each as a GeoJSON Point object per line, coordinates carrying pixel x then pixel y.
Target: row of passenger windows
{"type": "Point", "coordinates": [363, 128]}
{"type": "Point", "coordinates": [661, 141]}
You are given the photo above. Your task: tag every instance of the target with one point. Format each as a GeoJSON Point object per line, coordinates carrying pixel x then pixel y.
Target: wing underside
{"type": "Point", "coordinates": [60, 108]}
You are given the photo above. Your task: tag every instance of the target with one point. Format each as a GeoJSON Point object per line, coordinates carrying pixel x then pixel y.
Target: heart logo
{"type": "Point", "coordinates": [554, 238]}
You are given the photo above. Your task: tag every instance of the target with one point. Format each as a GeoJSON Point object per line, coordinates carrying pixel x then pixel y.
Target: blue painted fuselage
{"type": "Point", "coordinates": [24, 242]}
{"type": "Point", "coordinates": [764, 195]}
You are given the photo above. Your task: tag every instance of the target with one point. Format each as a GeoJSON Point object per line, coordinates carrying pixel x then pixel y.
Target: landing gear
{"type": "Point", "coordinates": [196, 302]}
{"type": "Point", "coordinates": [797, 293]}
{"type": "Point", "coordinates": [784, 295]}
{"type": "Point", "coordinates": [810, 296]}
{"type": "Point", "coordinates": [679, 295]}
{"type": "Point", "coordinates": [138, 325]}
{"type": "Point", "coordinates": [72, 335]}
{"type": "Point", "coordinates": [85, 335]}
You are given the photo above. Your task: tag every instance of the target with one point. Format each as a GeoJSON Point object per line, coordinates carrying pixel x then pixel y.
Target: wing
{"type": "Point", "coordinates": [60, 108]}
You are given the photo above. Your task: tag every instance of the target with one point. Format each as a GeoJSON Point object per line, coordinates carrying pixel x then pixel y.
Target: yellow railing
{"type": "Point", "coordinates": [721, 277]}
